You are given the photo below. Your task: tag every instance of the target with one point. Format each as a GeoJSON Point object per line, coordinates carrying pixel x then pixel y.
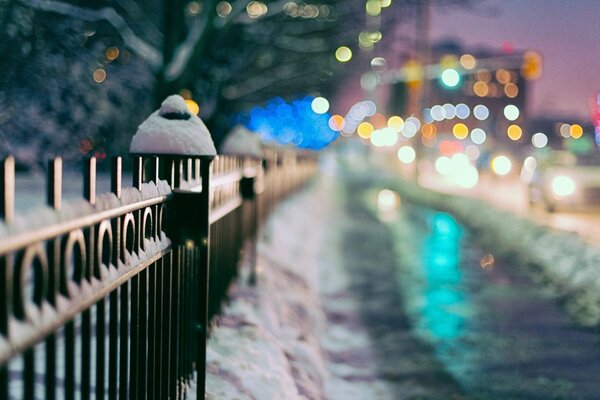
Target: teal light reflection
{"type": "Point", "coordinates": [442, 296]}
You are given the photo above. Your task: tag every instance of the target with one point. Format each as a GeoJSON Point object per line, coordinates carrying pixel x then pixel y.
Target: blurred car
{"type": "Point", "coordinates": [563, 180]}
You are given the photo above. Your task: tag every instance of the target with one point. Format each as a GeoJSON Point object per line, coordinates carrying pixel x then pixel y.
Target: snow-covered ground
{"type": "Point", "coordinates": [275, 340]}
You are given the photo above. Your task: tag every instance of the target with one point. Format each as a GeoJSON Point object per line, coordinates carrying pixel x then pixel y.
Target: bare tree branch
{"type": "Point", "coordinates": [108, 14]}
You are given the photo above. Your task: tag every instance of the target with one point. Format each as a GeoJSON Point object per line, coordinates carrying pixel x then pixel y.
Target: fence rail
{"type": "Point", "coordinates": [112, 296]}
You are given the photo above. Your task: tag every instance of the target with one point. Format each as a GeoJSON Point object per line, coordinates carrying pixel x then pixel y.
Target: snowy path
{"type": "Point", "coordinates": [298, 333]}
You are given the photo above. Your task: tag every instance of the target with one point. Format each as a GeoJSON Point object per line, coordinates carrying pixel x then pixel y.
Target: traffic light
{"type": "Point", "coordinates": [532, 65]}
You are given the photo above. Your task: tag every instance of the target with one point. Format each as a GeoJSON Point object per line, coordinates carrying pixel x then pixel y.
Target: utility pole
{"type": "Point", "coordinates": [424, 58]}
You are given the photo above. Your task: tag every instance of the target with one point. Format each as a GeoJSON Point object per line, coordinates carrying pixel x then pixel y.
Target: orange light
{"type": "Point", "coordinates": [480, 88]}
{"type": "Point", "coordinates": [449, 147]}
{"type": "Point", "coordinates": [511, 90]}
{"type": "Point", "coordinates": [378, 120]}
{"type": "Point", "coordinates": [193, 106]}
{"type": "Point", "coordinates": [576, 131]}
{"type": "Point", "coordinates": [428, 130]}
{"type": "Point", "coordinates": [514, 132]}
{"type": "Point", "coordinates": [337, 122]}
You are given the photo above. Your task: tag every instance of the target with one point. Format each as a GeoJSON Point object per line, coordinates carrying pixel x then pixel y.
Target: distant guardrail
{"type": "Point", "coordinates": [111, 296]}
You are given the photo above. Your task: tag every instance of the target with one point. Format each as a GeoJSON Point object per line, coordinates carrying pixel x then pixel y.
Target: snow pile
{"type": "Point", "coordinates": [561, 259]}
{"type": "Point", "coordinates": [173, 129]}
{"type": "Point", "coordinates": [243, 142]}
{"type": "Point", "coordinates": [277, 340]}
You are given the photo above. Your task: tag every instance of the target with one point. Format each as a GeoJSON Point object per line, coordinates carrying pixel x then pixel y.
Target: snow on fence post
{"type": "Point", "coordinates": [175, 145]}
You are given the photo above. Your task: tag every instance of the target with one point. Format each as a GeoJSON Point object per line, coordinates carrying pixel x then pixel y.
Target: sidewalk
{"type": "Point", "coordinates": [301, 332]}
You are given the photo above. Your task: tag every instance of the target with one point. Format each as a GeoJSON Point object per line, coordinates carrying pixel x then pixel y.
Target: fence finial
{"type": "Point", "coordinates": [173, 130]}
{"type": "Point", "coordinates": [7, 189]}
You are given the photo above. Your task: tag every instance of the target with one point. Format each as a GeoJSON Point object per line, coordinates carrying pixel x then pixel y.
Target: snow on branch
{"type": "Point", "coordinates": [108, 14]}
{"type": "Point", "coordinates": [185, 50]}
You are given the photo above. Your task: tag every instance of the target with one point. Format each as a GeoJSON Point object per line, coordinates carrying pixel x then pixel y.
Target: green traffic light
{"type": "Point", "coordinates": [450, 78]}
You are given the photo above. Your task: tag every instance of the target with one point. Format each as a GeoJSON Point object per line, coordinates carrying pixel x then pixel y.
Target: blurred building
{"type": "Point", "coordinates": [466, 91]}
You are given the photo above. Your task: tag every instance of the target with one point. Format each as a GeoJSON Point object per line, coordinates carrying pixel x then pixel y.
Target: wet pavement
{"type": "Point", "coordinates": [454, 321]}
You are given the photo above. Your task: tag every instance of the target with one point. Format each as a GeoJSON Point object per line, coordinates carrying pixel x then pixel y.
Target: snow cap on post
{"type": "Point", "coordinates": [241, 141]}
{"type": "Point", "coordinates": [173, 130]}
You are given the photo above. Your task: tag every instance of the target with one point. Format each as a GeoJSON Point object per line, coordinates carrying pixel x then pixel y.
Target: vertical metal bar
{"type": "Point", "coordinates": [175, 329]}
{"type": "Point", "coordinates": [116, 175]}
{"type": "Point", "coordinates": [29, 374]}
{"type": "Point", "coordinates": [100, 347]}
{"type": "Point", "coordinates": [89, 180]}
{"type": "Point", "coordinates": [4, 381]}
{"type": "Point", "coordinates": [166, 342]}
{"type": "Point", "coordinates": [54, 184]}
{"type": "Point", "coordinates": [134, 338]}
{"type": "Point", "coordinates": [203, 268]}
{"type": "Point", "coordinates": [86, 354]}
{"type": "Point", "coordinates": [138, 172]}
{"type": "Point", "coordinates": [114, 371]}
{"type": "Point", "coordinates": [143, 334]}
{"type": "Point", "coordinates": [124, 342]}
{"type": "Point", "coordinates": [69, 360]}
{"type": "Point", "coordinates": [113, 345]}
{"type": "Point", "coordinates": [152, 365]}
{"type": "Point", "coordinates": [7, 189]}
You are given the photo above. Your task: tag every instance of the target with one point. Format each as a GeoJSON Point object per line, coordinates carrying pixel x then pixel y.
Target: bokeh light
{"type": "Point", "coordinates": [462, 111]}
{"type": "Point", "coordinates": [336, 122]}
{"type": "Point", "coordinates": [501, 165]}
{"type": "Point", "coordinates": [460, 131]}
{"type": "Point", "coordinates": [292, 123]}
{"type": "Point", "coordinates": [224, 8]}
{"type": "Point", "coordinates": [192, 106]}
{"type": "Point", "coordinates": [365, 130]}
{"type": "Point", "coordinates": [511, 112]}
{"type": "Point", "coordinates": [539, 140]}
{"type": "Point", "coordinates": [576, 131]}
{"type": "Point", "coordinates": [396, 122]}
{"type": "Point", "coordinates": [481, 112]}
{"type": "Point", "coordinates": [467, 61]}
{"type": "Point", "coordinates": [406, 154]}
{"type": "Point", "coordinates": [99, 75]}
{"type": "Point", "coordinates": [478, 136]}
{"type": "Point", "coordinates": [320, 105]}
{"type": "Point", "coordinates": [511, 90]}
{"type": "Point", "coordinates": [514, 132]}
{"type": "Point", "coordinates": [343, 54]}
{"type": "Point", "coordinates": [450, 77]}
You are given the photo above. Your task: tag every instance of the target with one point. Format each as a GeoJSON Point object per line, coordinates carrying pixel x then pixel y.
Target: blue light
{"type": "Point", "coordinates": [292, 123]}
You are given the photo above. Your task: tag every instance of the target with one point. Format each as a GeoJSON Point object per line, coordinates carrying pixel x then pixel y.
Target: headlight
{"type": "Point", "coordinates": [563, 186]}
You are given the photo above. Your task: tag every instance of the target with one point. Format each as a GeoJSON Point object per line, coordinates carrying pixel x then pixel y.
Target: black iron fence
{"type": "Point", "coordinates": [112, 296]}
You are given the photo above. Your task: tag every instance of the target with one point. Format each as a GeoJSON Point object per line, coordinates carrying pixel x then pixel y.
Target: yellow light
{"type": "Point", "coordinates": [385, 3]}
{"type": "Point", "coordinates": [576, 131]}
{"type": "Point", "coordinates": [460, 131]}
{"type": "Point", "coordinates": [112, 53]}
{"type": "Point", "coordinates": [365, 130]}
{"type": "Point", "coordinates": [395, 122]}
{"type": "Point", "coordinates": [468, 61]}
{"type": "Point", "coordinates": [192, 106]}
{"type": "Point", "coordinates": [480, 88]}
{"type": "Point", "coordinates": [224, 8]}
{"type": "Point", "coordinates": [514, 132]}
{"type": "Point", "coordinates": [429, 130]}
{"type": "Point", "coordinates": [99, 75]}
{"type": "Point", "coordinates": [448, 61]}
{"type": "Point", "coordinates": [511, 90]}
{"type": "Point", "coordinates": [373, 7]}
{"type": "Point", "coordinates": [343, 54]}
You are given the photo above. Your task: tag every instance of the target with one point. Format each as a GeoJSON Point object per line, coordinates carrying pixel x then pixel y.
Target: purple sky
{"type": "Point", "coordinates": [566, 32]}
